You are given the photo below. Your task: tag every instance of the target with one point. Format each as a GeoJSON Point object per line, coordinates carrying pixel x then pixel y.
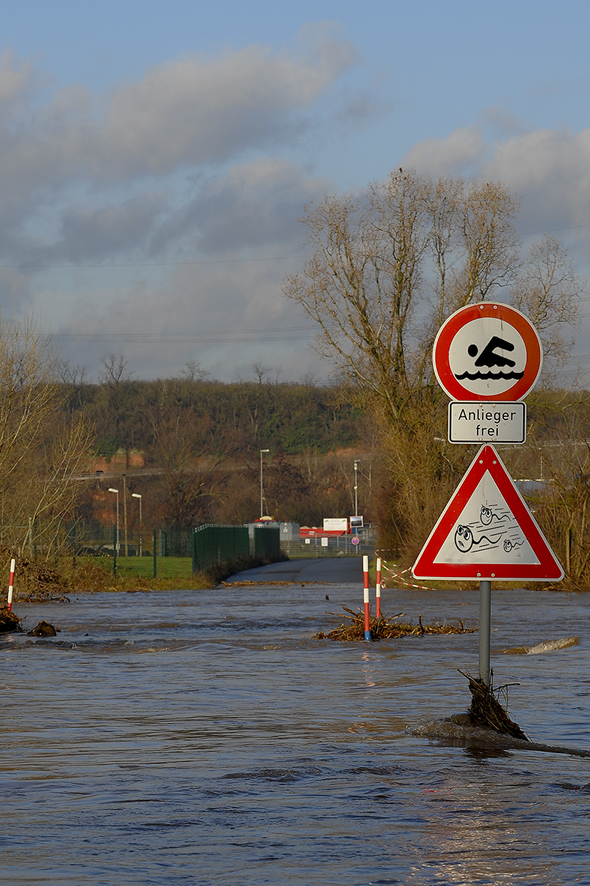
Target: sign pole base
{"type": "Point", "coordinates": [485, 627]}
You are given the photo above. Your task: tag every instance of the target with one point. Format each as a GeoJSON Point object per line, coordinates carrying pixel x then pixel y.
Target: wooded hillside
{"type": "Point", "coordinates": [198, 443]}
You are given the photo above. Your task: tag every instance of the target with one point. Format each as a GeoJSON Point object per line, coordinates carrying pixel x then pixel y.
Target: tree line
{"type": "Point", "coordinates": [201, 441]}
{"type": "Point", "coordinates": [213, 418]}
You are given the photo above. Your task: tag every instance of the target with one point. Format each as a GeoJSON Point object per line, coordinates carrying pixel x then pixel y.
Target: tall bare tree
{"type": "Point", "coordinates": [389, 267]}
{"type": "Point", "coordinates": [550, 294]}
{"type": "Point", "coordinates": [38, 457]}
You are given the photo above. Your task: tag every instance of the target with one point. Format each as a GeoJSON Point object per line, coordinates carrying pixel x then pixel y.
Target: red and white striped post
{"type": "Point", "coordinates": [11, 584]}
{"type": "Point", "coordinates": [366, 597]}
{"type": "Point", "coordinates": [378, 589]}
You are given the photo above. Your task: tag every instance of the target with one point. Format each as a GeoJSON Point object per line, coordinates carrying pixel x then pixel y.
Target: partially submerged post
{"type": "Point", "coordinates": [11, 584]}
{"type": "Point", "coordinates": [366, 597]}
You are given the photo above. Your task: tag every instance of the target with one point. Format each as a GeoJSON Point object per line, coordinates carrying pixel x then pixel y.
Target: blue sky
{"type": "Point", "coordinates": [155, 157]}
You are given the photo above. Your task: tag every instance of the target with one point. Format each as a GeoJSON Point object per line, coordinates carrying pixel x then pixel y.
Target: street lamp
{"type": "Point", "coordinates": [356, 486]}
{"type": "Point", "coordinates": [137, 495]}
{"type": "Point", "coordinates": [261, 487]}
{"type": "Point", "coordinates": [116, 491]}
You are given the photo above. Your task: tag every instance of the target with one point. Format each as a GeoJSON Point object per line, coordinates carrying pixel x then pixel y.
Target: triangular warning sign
{"type": "Point", "coordinates": [487, 531]}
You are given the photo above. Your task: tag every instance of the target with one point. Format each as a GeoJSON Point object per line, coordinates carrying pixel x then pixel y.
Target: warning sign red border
{"type": "Point", "coordinates": [548, 568]}
{"type": "Point", "coordinates": [442, 344]}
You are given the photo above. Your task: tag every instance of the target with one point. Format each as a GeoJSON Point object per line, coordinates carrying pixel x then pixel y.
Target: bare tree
{"type": "Point", "coordinates": [38, 458]}
{"type": "Point", "coordinates": [380, 262]}
{"type": "Point", "coordinates": [549, 293]}
{"type": "Point", "coordinates": [192, 371]}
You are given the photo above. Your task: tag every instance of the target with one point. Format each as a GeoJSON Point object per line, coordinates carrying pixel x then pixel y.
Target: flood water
{"type": "Point", "coordinates": [205, 738]}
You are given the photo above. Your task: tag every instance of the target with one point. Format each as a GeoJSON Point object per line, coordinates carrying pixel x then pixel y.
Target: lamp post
{"type": "Point", "coordinates": [261, 486]}
{"type": "Point", "coordinates": [137, 495]}
{"type": "Point", "coordinates": [116, 492]}
{"type": "Point", "coordinates": [356, 486]}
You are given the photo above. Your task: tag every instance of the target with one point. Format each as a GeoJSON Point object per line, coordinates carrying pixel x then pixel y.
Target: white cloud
{"type": "Point", "coordinates": [15, 78]}
{"type": "Point", "coordinates": [456, 154]}
{"type": "Point", "coordinates": [551, 170]}
{"type": "Point", "coordinates": [182, 164]}
{"type": "Point", "coordinates": [256, 204]}
{"type": "Point", "coordinates": [190, 111]}
{"type": "Point", "coordinates": [216, 313]}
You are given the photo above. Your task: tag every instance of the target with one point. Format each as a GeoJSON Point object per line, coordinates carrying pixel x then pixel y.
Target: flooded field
{"type": "Point", "coordinates": [205, 738]}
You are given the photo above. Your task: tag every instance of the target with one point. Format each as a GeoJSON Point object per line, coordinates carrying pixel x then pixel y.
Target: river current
{"type": "Point", "coordinates": [204, 737]}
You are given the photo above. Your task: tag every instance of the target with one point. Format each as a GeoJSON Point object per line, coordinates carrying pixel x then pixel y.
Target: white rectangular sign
{"type": "Point", "coordinates": [485, 422]}
{"type": "Point", "coordinates": [335, 524]}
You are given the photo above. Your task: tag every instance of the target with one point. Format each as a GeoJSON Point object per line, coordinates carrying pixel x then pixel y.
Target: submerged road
{"type": "Point", "coordinates": [328, 569]}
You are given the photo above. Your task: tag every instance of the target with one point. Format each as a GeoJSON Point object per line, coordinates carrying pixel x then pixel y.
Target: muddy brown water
{"type": "Point", "coordinates": [204, 738]}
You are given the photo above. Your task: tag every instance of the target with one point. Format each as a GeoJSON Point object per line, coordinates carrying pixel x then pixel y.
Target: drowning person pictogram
{"type": "Point", "coordinates": [464, 539]}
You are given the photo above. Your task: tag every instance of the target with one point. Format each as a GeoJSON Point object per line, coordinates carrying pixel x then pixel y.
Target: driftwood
{"type": "Point", "coordinates": [9, 622]}
{"type": "Point", "coordinates": [387, 628]}
{"type": "Point", "coordinates": [487, 712]}
{"type": "Point", "coordinates": [43, 629]}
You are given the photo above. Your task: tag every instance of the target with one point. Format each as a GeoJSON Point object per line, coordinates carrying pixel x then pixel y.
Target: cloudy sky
{"type": "Point", "coordinates": [155, 156]}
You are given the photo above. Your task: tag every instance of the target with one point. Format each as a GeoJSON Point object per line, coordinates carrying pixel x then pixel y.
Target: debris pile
{"type": "Point", "coordinates": [487, 712]}
{"type": "Point", "coordinates": [8, 621]}
{"type": "Point", "coordinates": [35, 581]}
{"type": "Point", "coordinates": [386, 628]}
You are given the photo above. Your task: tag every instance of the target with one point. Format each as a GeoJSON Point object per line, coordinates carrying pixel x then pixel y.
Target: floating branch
{"type": "Point", "coordinates": [487, 712]}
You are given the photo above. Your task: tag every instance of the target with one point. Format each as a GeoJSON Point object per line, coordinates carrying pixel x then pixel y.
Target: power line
{"type": "Point", "coordinates": [288, 333]}
{"type": "Point", "coordinates": [40, 266]}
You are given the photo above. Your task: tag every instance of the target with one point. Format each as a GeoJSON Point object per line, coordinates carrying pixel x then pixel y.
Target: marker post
{"type": "Point", "coordinates": [366, 597]}
{"type": "Point", "coordinates": [11, 584]}
{"type": "Point", "coordinates": [378, 589]}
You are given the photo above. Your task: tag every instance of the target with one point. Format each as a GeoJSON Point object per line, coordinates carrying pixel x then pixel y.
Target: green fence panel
{"type": "Point", "coordinates": [267, 541]}
{"type": "Point", "coordinates": [214, 544]}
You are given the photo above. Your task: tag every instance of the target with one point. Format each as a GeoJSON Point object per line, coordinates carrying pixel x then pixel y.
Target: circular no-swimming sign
{"type": "Point", "coordinates": [487, 351]}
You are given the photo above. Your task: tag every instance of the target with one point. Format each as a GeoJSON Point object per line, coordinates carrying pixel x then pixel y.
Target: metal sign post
{"type": "Point", "coordinates": [485, 630]}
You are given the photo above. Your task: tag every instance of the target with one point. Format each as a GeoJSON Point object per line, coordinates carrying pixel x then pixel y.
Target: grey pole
{"type": "Point", "coordinates": [485, 621]}
{"type": "Point", "coordinates": [118, 542]}
{"type": "Point", "coordinates": [261, 485]}
{"type": "Point", "coordinates": [138, 495]}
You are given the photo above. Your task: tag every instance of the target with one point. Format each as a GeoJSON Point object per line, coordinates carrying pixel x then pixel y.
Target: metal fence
{"type": "Point", "coordinates": [211, 543]}
{"type": "Point", "coordinates": [326, 546]}
{"type": "Point", "coordinates": [214, 543]}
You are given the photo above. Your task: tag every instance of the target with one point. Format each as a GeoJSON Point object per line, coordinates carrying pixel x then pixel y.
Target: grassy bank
{"type": "Point", "coordinates": [39, 581]}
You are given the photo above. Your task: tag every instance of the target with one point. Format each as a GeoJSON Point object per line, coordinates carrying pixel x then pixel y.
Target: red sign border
{"type": "Point", "coordinates": [548, 568]}
{"type": "Point", "coordinates": [442, 344]}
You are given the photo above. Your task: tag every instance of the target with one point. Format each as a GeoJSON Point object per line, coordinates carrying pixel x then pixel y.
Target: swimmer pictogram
{"type": "Point", "coordinates": [490, 357]}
